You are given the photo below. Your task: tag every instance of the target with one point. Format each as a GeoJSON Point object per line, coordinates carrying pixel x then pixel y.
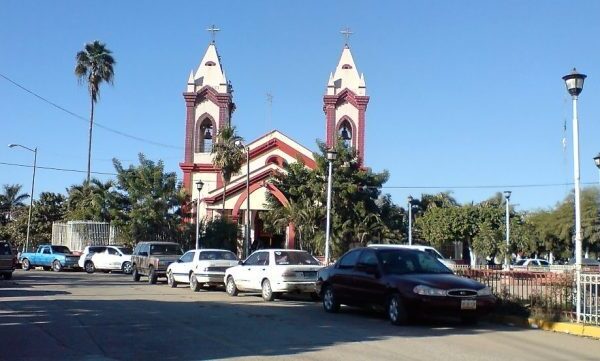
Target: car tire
{"type": "Point", "coordinates": [267, 292]}
{"type": "Point", "coordinates": [396, 310]}
{"type": "Point", "coordinates": [89, 267]}
{"type": "Point", "coordinates": [7, 276]}
{"type": "Point", "coordinates": [126, 268]}
{"type": "Point", "coordinates": [25, 264]}
{"type": "Point", "coordinates": [136, 275]}
{"type": "Point", "coordinates": [56, 266]}
{"type": "Point", "coordinates": [171, 280]}
{"type": "Point", "coordinates": [230, 287]}
{"type": "Point", "coordinates": [330, 302]}
{"type": "Point", "coordinates": [152, 278]}
{"type": "Point", "coordinates": [194, 285]}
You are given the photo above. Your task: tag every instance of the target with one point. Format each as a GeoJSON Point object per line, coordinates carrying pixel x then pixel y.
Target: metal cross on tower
{"type": "Point", "coordinates": [346, 33]}
{"type": "Point", "coordinates": [213, 30]}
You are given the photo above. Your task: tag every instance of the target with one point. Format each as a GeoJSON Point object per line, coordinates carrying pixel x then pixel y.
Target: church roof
{"type": "Point", "coordinates": [209, 72]}
{"type": "Point", "coordinates": [346, 76]}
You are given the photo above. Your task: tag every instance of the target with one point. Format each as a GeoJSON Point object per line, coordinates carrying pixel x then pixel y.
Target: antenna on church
{"type": "Point", "coordinates": [269, 109]}
{"type": "Point", "coordinates": [346, 33]}
{"type": "Point", "coordinates": [213, 30]}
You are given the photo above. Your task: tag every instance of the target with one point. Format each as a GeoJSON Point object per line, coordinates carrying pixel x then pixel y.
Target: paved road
{"type": "Point", "coordinates": [76, 316]}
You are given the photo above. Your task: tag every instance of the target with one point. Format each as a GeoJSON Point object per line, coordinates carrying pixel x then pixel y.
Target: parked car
{"type": "Point", "coordinates": [8, 261]}
{"type": "Point", "coordinates": [526, 263]}
{"type": "Point", "coordinates": [50, 257]}
{"type": "Point", "coordinates": [152, 259]}
{"type": "Point", "coordinates": [432, 251]}
{"type": "Point", "coordinates": [200, 267]}
{"type": "Point", "coordinates": [272, 272]}
{"type": "Point", "coordinates": [106, 258]}
{"type": "Point", "coordinates": [404, 282]}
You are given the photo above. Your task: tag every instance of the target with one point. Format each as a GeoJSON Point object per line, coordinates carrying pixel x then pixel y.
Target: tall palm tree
{"type": "Point", "coordinates": [11, 198]}
{"type": "Point", "coordinates": [95, 65]}
{"type": "Point", "coordinates": [228, 155]}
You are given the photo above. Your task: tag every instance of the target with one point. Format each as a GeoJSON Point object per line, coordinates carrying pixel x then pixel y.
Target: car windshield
{"type": "Point", "coordinates": [217, 255]}
{"type": "Point", "coordinates": [401, 261]}
{"type": "Point", "coordinates": [294, 258]}
{"type": "Point", "coordinates": [433, 253]}
{"type": "Point", "coordinates": [125, 250]}
{"type": "Point", "coordinates": [520, 262]}
{"type": "Point", "coordinates": [166, 249]}
{"type": "Point", "coordinates": [60, 249]}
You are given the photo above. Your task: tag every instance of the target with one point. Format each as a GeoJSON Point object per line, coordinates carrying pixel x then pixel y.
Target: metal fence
{"type": "Point", "coordinates": [78, 234]}
{"type": "Point", "coordinates": [590, 310]}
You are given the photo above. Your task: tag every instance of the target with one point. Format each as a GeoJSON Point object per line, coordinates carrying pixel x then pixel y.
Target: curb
{"type": "Point", "coordinates": [570, 328]}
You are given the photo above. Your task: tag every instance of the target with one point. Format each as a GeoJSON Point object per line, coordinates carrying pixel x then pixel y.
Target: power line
{"type": "Point", "coordinates": [99, 125]}
{"type": "Point", "coordinates": [55, 168]}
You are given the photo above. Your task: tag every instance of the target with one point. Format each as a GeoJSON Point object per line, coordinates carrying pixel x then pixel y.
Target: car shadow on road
{"type": "Point", "coordinates": [205, 329]}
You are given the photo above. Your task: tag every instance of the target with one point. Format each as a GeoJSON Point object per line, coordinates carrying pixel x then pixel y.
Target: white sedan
{"type": "Point", "coordinates": [274, 271]}
{"type": "Point", "coordinates": [199, 267]}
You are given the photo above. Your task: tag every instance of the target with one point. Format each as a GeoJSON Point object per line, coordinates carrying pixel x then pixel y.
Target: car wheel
{"type": "Point", "coordinates": [7, 276]}
{"type": "Point", "coordinates": [396, 310]}
{"type": "Point", "coordinates": [230, 287]}
{"type": "Point", "coordinates": [136, 275]}
{"type": "Point", "coordinates": [171, 280]}
{"type": "Point", "coordinates": [267, 291]}
{"type": "Point", "coordinates": [330, 303]}
{"type": "Point", "coordinates": [89, 267]}
{"type": "Point", "coordinates": [152, 276]}
{"type": "Point", "coordinates": [25, 264]}
{"type": "Point", "coordinates": [126, 268]}
{"type": "Point", "coordinates": [194, 285]}
{"type": "Point", "coordinates": [56, 266]}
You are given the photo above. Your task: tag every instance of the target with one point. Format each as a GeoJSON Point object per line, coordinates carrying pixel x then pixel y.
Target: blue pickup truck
{"type": "Point", "coordinates": [49, 257]}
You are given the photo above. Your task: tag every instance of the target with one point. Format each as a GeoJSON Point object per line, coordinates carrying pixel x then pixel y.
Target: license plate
{"type": "Point", "coordinates": [468, 304]}
{"type": "Point", "coordinates": [309, 274]}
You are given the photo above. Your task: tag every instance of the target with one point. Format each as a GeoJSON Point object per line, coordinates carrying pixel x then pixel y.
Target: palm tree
{"type": "Point", "coordinates": [10, 199]}
{"type": "Point", "coordinates": [91, 201]}
{"type": "Point", "coordinates": [228, 155]}
{"type": "Point", "coordinates": [95, 65]}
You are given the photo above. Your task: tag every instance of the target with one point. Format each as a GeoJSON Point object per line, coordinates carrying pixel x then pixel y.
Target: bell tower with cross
{"type": "Point", "coordinates": [209, 106]}
{"type": "Point", "coordinates": [345, 102]}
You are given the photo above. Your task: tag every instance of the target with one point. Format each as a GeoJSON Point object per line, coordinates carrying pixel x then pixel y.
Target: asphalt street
{"type": "Point", "coordinates": [77, 316]}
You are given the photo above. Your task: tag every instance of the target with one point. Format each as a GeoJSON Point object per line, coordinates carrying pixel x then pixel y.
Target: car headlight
{"type": "Point", "coordinates": [486, 291]}
{"type": "Point", "coordinates": [428, 291]}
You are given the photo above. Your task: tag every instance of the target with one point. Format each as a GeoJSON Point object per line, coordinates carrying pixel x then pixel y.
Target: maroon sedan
{"type": "Point", "coordinates": [405, 282]}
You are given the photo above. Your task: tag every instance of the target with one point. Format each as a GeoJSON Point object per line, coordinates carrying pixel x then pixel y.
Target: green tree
{"type": "Point", "coordinates": [10, 199]}
{"type": "Point", "coordinates": [95, 64]}
{"type": "Point", "coordinates": [49, 208]}
{"type": "Point", "coordinates": [94, 201]}
{"type": "Point", "coordinates": [228, 155]}
{"type": "Point", "coordinates": [220, 233]}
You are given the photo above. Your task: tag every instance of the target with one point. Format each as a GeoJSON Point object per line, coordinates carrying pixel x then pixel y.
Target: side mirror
{"type": "Point", "coordinates": [179, 260]}
{"type": "Point", "coordinates": [145, 254]}
{"type": "Point", "coordinates": [240, 262]}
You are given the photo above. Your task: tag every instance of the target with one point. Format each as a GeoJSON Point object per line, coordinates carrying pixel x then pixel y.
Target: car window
{"type": "Point", "coordinates": [5, 249]}
{"type": "Point", "coordinates": [349, 259]}
{"type": "Point", "coordinates": [368, 258]}
{"type": "Point", "coordinates": [165, 249]}
{"type": "Point", "coordinates": [188, 257]}
{"type": "Point", "coordinates": [520, 262]}
{"type": "Point", "coordinates": [125, 250]}
{"type": "Point", "coordinates": [294, 258]}
{"type": "Point", "coordinates": [60, 249]}
{"type": "Point", "coordinates": [263, 259]}
{"type": "Point", "coordinates": [96, 249]}
{"type": "Point", "coordinates": [433, 252]}
{"type": "Point", "coordinates": [145, 248]}
{"type": "Point", "coordinates": [217, 255]}
{"type": "Point", "coordinates": [46, 250]}
{"type": "Point", "coordinates": [112, 251]}
{"type": "Point", "coordinates": [399, 261]}
{"type": "Point", "coordinates": [544, 263]}
{"type": "Point", "coordinates": [252, 260]}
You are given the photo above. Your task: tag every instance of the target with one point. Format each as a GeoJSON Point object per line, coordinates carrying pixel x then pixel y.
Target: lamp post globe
{"type": "Point", "coordinates": [199, 185]}
{"type": "Point", "coordinates": [574, 83]}
{"type": "Point", "coordinates": [597, 160]}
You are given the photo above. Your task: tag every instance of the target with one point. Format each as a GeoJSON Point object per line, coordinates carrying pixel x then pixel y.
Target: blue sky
{"type": "Point", "coordinates": [463, 93]}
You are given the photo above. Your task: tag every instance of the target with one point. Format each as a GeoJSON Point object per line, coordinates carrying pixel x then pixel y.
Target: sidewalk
{"type": "Point", "coordinates": [571, 328]}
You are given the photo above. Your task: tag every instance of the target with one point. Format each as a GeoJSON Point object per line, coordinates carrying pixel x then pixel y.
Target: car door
{"type": "Point", "coordinates": [45, 258]}
{"type": "Point", "coordinates": [112, 258]}
{"type": "Point", "coordinates": [342, 278]}
{"type": "Point", "coordinates": [260, 270]}
{"type": "Point", "coordinates": [181, 268]}
{"type": "Point", "coordinates": [367, 286]}
{"type": "Point", "coordinates": [244, 271]}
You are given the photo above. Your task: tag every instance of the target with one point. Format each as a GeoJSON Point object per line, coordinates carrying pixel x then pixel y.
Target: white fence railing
{"type": "Point", "coordinates": [78, 234]}
{"type": "Point", "coordinates": [590, 303]}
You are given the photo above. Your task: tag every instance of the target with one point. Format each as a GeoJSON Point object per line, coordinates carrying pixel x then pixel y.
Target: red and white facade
{"type": "Point", "coordinates": [209, 105]}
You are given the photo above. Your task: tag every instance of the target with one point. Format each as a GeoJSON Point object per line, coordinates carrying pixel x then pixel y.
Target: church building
{"type": "Point", "coordinates": [210, 106]}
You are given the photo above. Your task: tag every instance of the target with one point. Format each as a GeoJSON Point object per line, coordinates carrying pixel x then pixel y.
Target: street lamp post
{"type": "Point", "coordinates": [331, 155]}
{"type": "Point", "coordinates": [597, 161]}
{"type": "Point", "coordinates": [506, 258]}
{"type": "Point", "coordinates": [247, 238]}
{"type": "Point", "coordinates": [574, 83]}
{"type": "Point", "coordinates": [34, 150]}
{"type": "Point", "coordinates": [410, 200]}
{"type": "Point", "coordinates": [199, 185]}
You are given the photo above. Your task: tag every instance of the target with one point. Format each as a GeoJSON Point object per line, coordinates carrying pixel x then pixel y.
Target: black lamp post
{"type": "Point", "coordinates": [199, 185]}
